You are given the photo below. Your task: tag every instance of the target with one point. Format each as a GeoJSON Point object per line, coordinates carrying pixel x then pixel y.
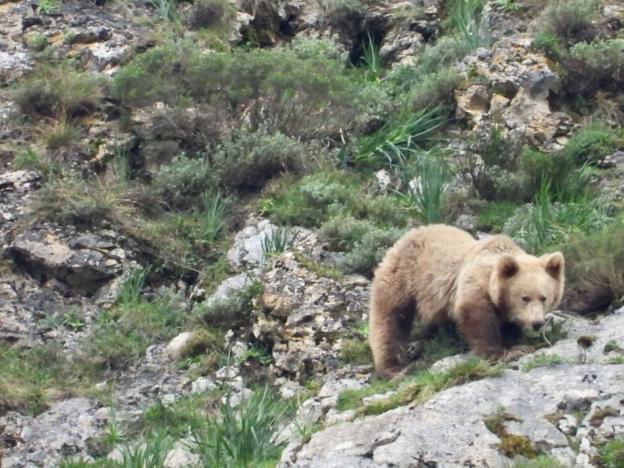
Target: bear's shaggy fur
{"type": "Point", "coordinates": [443, 274]}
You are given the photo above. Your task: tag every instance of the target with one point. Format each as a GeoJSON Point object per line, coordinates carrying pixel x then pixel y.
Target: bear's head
{"type": "Point", "coordinates": [525, 288]}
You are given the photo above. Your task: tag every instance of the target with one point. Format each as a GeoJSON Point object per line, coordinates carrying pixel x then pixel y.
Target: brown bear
{"type": "Point", "coordinates": [443, 274]}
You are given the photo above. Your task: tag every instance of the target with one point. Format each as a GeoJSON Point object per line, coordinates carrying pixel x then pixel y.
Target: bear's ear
{"type": "Point", "coordinates": [507, 266]}
{"type": "Point", "coordinates": [554, 264]}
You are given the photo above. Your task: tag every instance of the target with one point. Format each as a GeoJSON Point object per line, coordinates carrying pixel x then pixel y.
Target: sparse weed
{"type": "Point", "coordinates": [568, 20]}
{"type": "Point", "coordinates": [167, 9]}
{"type": "Point", "coordinates": [466, 17]}
{"type": "Point", "coordinates": [371, 60]}
{"type": "Point", "coordinates": [355, 351]}
{"type": "Point", "coordinates": [542, 360]}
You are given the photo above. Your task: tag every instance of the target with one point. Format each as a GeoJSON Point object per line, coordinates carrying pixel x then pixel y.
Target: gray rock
{"type": "Point", "coordinates": [83, 261]}
{"type": "Point", "coordinates": [65, 430]}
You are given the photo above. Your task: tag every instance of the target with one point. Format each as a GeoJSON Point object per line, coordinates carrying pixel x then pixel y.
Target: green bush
{"type": "Point", "coordinates": [595, 65]}
{"type": "Point", "coordinates": [428, 189]}
{"type": "Point", "coordinates": [434, 89]}
{"type": "Point", "coordinates": [211, 14]}
{"type": "Point", "coordinates": [611, 454]}
{"type": "Point", "coordinates": [494, 215]}
{"type": "Point", "coordinates": [59, 92]}
{"type": "Point", "coordinates": [466, 17]}
{"type": "Point", "coordinates": [592, 143]}
{"type": "Point", "coordinates": [247, 160]}
{"type": "Point", "coordinates": [368, 252]}
{"type": "Point", "coordinates": [569, 20]}
{"type": "Point", "coordinates": [595, 267]}
{"type": "Point", "coordinates": [277, 89]}
{"type": "Point", "coordinates": [318, 197]}
{"type": "Point", "coordinates": [565, 179]}
{"type": "Point", "coordinates": [179, 183]}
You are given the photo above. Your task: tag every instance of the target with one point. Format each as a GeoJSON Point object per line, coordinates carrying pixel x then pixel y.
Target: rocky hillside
{"type": "Point", "coordinates": [194, 196]}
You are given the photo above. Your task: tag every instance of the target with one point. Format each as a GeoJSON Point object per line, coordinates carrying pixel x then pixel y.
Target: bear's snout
{"type": "Point", "coordinates": [537, 324]}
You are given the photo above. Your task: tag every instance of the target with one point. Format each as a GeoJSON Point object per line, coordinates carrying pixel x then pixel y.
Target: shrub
{"type": "Point", "coordinates": [355, 351]}
{"type": "Point", "coordinates": [247, 160]}
{"type": "Point", "coordinates": [58, 91]}
{"type": "Point", "coordinates": [210, 14]}
{"type": "Point", "coordinates": [180, 182]}
{"type": "Point", "coordinates": [343, 16]}
{"type": "Point", "coordinates": [595, 267]}
{"type": "Point", "coordinates": [494, 215]}
{"type": "Point", "coordinates": [231, 312]}
{"type": "Point", "coordinates": [569, 20]}
{"type": "Point", "coordinates": [276, 89]}
{"type": "Point", "coordinates": [592, 143]}
{"type": "Point", "coordinates": [318, 197]}
{"type": "Point", "coordinates": [611, 454]}
{"type": "Point", "coordinates": [435, 89]}
{"type": "Point", "coordinates": [364, 243]}
{"type": "Point", "coordinates": [595, 65]}
{"type": "Point", "coordinates": [565, 180]}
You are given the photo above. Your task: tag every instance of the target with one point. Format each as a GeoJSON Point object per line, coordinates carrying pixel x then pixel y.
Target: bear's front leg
{"type": "Point", "coordinates": [480, 326]}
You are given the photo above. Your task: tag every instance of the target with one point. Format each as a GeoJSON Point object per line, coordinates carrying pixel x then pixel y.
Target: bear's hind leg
{"type": "Point", "coordinates": [390, 329]}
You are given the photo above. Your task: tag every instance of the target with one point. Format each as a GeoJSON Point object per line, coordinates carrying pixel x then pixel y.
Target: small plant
{"type": "Point", "coordinates": [507, 5]}
{"type": "Point", "coordinates": [130, 292]}
{"type": "Point", "coordinates": [426, 192]}
{"type": "Point", "coordinates": [150, 453]}
{"type": "Point", "coordinates": [167, 9]}
{"type": "Point", "coordinates": [60, 134]}
{"type": "Point", "coordinates": [47, 7]}
{"type": "Point", "coordinates": [540, 461]}
{"type": "Point", "coordinates": [434, 90]}
{"type": "Point", "coordinates": [241, 435]}
{"type": "Point", "coordinates": [466, 16]}
{"type": "Point", "coordinates": [276, 242]}
{"type": "Point", "coordinates": [399, 139]}
{"type": "Point", "coordinates": [213, 219]}
{"type": "Point", "coordinates": [568, 20]}
{"type": "Point", "coordinates": [372, 60]}
{"type": "Point", "coordinates": [510, 445]}
{"type": "Point", "coordinates": [58, 92]}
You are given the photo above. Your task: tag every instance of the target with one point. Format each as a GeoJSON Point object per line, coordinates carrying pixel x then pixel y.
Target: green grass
{"type": "Point", "coordinates": [355, 351]}
{"type": "Point", "coordinates": [611, 455]}
{"type": "Point", "coordinates": [241, 436]}
{"type": "Point", "coordinates": [428, 190]}
{"type": "Point", "coordinates": [417, 388]}
{"type": "Point", "coordinates": [122, 333]}
{"type": "Point", "coordinates": [399, 139]}
{"type": "Point", "coordinates": [30, 379]}
{"type": "Point", "coordinates": [543, 360]}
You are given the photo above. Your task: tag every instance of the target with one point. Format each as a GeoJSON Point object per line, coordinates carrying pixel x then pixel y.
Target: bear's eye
{"type": "Point", "coordinates": [542, 298]}
{"type": "Point", "coordinates": [526, 299]}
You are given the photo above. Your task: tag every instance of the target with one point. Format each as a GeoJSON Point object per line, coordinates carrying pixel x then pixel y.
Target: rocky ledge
{"type": "Point", "coordinates": [562, 410]}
